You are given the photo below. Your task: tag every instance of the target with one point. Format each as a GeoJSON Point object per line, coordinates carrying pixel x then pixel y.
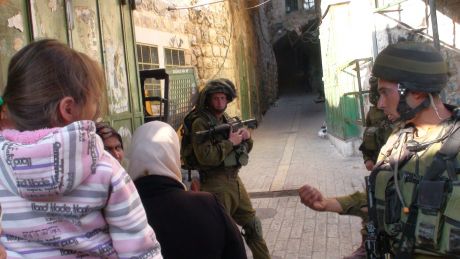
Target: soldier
{"type": "Point", "coordinates": [413, 196]}
{"type": "Point", "coordinates": [378, 128]}
{"type": "Point", "coordinates": [219, 159]}
{"type": "Point", "coordinates": [413, 190]}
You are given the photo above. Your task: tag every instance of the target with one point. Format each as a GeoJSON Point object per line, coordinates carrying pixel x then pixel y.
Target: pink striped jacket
{"type": "Point", "coordinates": [63, 196]}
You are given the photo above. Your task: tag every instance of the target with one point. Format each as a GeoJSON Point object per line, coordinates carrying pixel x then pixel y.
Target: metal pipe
{"type": "Point", "coordinates": [434, 22]}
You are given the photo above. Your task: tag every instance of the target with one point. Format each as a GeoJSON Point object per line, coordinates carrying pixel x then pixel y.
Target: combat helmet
{"type": "Point", "coordinates": [415, 66]}
{"type": "Point", "coordinates": [221, 85]}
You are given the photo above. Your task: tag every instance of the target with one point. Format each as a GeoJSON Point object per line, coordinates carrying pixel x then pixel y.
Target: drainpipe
{"type": "Point", "coordinates": [434, 24]}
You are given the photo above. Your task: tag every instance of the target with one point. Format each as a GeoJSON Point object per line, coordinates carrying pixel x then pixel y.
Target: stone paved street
{"type": "Point", "coordinates": [287, 154]}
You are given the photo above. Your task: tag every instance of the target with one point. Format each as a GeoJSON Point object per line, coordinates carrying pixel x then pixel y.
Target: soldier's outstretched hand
{"type": "Point", "coordinates": [312, 198]}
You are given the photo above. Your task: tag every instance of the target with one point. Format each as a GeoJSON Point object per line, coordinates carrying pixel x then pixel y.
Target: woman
{"type": "Point", "coordinates": [190, 225]}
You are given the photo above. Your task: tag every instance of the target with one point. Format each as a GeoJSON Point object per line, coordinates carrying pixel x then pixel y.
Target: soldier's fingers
{"type": "Point", "coordinates": [305, 188]}
{"type": "Point", "coordinates": [307, 197]}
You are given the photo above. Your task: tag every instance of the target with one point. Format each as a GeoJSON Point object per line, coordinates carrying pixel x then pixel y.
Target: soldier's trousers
{"type": "Point", "coordinates": [231, 192]}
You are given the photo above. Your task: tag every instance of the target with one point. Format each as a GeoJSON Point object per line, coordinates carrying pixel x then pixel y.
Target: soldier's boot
{"type": "Point", "coordinates": [252, 233]}
{"type": "Point", "coordinates": [359, 253]}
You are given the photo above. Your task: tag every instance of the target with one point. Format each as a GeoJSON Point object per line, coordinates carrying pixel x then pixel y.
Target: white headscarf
{"type": "Point", "coordinates": [155, 150]}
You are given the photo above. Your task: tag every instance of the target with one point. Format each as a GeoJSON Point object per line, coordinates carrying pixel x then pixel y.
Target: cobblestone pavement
{"type": "Point", "coordinates": [287, 154]}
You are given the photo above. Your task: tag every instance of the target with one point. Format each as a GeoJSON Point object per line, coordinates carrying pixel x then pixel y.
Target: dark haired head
{"type": "Point", "coordinates": [40, 75]}
{"type": "Point", "coordinates": [105, 132]}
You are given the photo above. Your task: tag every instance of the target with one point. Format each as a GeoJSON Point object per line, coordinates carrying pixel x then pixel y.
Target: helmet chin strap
{"type": "Point", "coordinates": [405, 111]}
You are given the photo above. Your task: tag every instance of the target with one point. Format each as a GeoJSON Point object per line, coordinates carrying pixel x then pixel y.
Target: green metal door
{"type": "Point", "coordinates": [342, 108]}
{"type": "Point", "coordinates": [243, 96]}
{"type": "Point", "coordinates": [103, 29]}
{"type": "Point", "coordinates": [182, 91]}
{"type": "Point", "coordinates": [14, 33]}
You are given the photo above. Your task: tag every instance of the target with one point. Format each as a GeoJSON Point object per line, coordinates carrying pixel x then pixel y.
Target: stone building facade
{"type": "Point", "coordinates": [218, 39]}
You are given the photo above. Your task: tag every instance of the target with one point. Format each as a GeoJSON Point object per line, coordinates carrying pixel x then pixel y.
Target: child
{"type": "Point", "coordinates": [61, 194]}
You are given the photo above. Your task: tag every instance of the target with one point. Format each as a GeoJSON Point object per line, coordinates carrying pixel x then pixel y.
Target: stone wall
{"type": "Point", "coordinates": [211, 36]}
{"type": "Point", "coordinates": [282, 22]}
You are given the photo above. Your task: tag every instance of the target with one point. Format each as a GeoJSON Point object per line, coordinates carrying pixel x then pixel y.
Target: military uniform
{"type": "Point", "coordinates": [412, 166]}
{"type": "Point", "coordinates": [375, 135]}
{"type": "Point", "coordinates": [414, 191]}
{"type": "Point", "coordinates": [378, 129]}
{"type": "Point", "coordinates": [219, 163]}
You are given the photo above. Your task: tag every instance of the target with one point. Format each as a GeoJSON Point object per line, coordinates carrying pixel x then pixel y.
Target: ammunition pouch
{"type": "Point", "coordinates": [431, 198]}
{"type": "Point", "coordinates": [450, 238]}
{"type": "Point", "coordinates": [387, 204]}
{"type": "Point", "coordinates": [238, 157]}
{"type": "Point", "coordinates": [437, 226]}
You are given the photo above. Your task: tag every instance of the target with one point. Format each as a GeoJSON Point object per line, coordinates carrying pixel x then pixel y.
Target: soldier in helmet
{"type": "Point", "coordinates": [378, 128]}
{"type": "Point", "coordinates": [413, 194]}
{"type": "Point", "coordinates": [220, 158]}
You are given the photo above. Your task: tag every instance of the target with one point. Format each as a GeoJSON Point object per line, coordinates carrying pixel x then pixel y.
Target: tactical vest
{"type": "Point", "coordinates": [422, 216]}
{"type": "Point", "coordinates": [236, 158]}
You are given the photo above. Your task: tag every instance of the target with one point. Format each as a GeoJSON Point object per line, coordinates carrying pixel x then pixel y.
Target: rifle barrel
{"type": "Point", "coordinates": [251, 123]}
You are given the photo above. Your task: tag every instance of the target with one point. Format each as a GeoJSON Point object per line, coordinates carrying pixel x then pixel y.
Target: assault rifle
{"type": "Point", "coordinates": [375, 245]}
{"type": "Point", "coordinates": [235, 124]}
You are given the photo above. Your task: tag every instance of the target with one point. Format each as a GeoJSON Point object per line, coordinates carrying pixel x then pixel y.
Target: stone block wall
{"type": "Point", "coordinates": [210, 36]}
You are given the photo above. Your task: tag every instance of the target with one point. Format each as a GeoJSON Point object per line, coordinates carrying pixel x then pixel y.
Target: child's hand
{"type": "Point", "coordinates": [2, 252]}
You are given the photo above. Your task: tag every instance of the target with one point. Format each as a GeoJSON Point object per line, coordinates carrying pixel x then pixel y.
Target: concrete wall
{"type": "Point", "coordinates": [210, 35]}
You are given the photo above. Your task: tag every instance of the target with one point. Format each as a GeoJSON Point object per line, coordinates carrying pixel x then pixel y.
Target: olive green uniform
{"type": "Point", "coordinates": [437, 231]}
{"type": "Point", "coordinates": [377, 131]}
{"type": "Point", "coordinates": [375, 135]}
{"type": "Point", "coordinates": [219, 163]}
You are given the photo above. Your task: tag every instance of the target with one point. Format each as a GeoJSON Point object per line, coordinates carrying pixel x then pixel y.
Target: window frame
{"type": "Point", "coordinates": [291, 5]}
{"type": "Point", "coordinates": [176, 57]}
{"type": "Point", "coordinates": [308, 4]}
{"type": "Point", "coordinates": [152, 86]}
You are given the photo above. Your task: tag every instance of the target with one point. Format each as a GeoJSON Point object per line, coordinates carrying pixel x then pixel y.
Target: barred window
{"type": "Point", "coordinates": [174, 58]}
{"type": "Point", "coordinates": [308, 4]}
{"type": "Point", "coordinates": [291, 5]}
{"type": "Point", "coordinates": [147, 58]}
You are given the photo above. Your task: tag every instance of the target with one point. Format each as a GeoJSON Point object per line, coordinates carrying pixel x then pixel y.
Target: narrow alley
{"type": "Point", "coordinates": [287, 154]}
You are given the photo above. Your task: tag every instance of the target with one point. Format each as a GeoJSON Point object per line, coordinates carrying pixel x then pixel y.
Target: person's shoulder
{"type": "Point", "coordinates": [203, 196]}
{"type": "Point", "coordinates": [205, 199]}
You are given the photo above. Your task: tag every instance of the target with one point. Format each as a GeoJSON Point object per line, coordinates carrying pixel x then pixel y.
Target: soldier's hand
{"type": "Point", "coordinates": [245, 133]}
{"type": "Point", "coordinates": [312, 198]}
{"type": "Point", "coordinates": [194, 186]}
{"type": "Point", "coordinates": [369, 165]}
{"type": "Point", "coordinates": [235, 137]}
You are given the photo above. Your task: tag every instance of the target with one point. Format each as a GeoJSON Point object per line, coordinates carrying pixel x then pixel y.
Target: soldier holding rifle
{"type": "Point", "coordinates": [219, 150]}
